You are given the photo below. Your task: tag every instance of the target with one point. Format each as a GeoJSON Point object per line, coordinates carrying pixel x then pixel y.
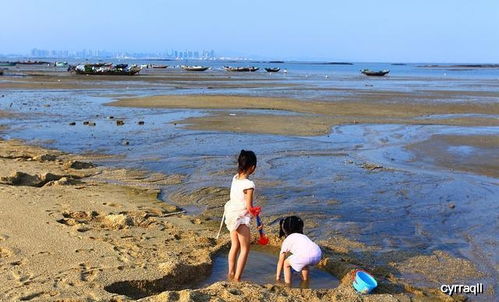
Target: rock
{"type": "Point", "coordinates": [120, 123]}
{"type": "Point", "coordinates": [63, 181]}
{"type": "Point", "coordinates": [451, 205]}
{"type": "Point", "coordinates": [78, 165]}
{"type": "Point", "coordinates": [68, 221]}
{"type": "Point", "coordinates": [45, 157]}
{"type": "Point", "coordinates": [125, 143]}
{"type": "Point", "coordinates": [22, 179]}
{"type": "Point", "coordinates": [72, 124]}
{"type": "Point", "coordinates": [371, 166]}
{"type": "Point", "coordinates": [46, 177]}
{"type": "Point", "coordinates": [117, 221]}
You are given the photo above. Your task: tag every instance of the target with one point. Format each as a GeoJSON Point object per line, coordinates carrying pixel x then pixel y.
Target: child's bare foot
{"type": "Point", "coordinates": [230, 276]}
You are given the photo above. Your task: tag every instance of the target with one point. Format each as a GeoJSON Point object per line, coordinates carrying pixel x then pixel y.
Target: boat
{"type": "Point", "coordinates": [379, 73]}
{"type": "Point", "coordinates": [241, 69]}
{"type": "Point", "coordinates": [29, 62]}
{"type": "Point", "coordinates": [194, 67]}
{"type": "Point", "coordinates": [276, 69]}
{"type": "Point", "coordinates": [159, 66]}
{"type": "Point", "coordinates": [61, 64]}
{"type": "Point", "coordinates": [7, 63]}
{"type": "Point", "coordinates": [119, 69]}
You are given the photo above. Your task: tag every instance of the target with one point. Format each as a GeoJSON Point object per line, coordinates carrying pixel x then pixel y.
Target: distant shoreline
{"type": "Point", "coordinates": [460, 66]}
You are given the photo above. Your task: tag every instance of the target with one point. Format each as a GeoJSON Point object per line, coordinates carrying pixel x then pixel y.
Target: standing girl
{"type": "Point", "coordinates": [304, 252]}
{"type": "Point", "coordinates": [238, 215]}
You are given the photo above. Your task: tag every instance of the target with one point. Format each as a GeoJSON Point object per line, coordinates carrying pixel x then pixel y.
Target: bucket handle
{"type": "Point", "coordinates": [358, 270]}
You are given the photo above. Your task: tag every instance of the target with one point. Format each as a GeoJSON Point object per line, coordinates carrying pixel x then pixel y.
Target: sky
{"type": "Point", "coordinates": [453, 31]}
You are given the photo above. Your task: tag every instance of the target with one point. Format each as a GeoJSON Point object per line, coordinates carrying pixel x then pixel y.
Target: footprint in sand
{"type": "Point", "coordinates": [89, 250]}
{"type": "Point", "coordinates": [19, 262]}
{"type": "Point", "coordinates": [20, 276]}
{"type": "Point", "coordinates": [88, 276]}
{"type": "Point", "coordinates": [33, 296]}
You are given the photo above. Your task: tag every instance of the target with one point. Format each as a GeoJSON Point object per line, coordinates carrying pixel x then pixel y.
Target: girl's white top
{"type": "Point", "coordinates": [301, 246]}
{"type": "Point", "coordinates": [235, 209]}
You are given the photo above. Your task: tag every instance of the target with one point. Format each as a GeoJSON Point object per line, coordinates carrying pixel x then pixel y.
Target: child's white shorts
{"type": "Point", "coordinates": [298, 263]}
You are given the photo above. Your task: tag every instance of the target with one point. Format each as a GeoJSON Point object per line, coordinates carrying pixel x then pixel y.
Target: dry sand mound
{"type": "Point", "coordinates": [25, 179]}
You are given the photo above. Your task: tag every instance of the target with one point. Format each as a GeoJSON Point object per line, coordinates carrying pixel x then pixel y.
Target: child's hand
{"type": "Point", "coordinates": [260, 227]}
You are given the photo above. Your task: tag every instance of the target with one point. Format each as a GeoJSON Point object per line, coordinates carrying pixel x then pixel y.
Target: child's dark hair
{"type": "Point", "coordinates": [290, 225]}
{"type": "Point", "coordinates": [246, 160]}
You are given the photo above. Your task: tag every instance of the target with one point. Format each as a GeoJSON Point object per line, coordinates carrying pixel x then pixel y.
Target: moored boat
{"type": "Point", "coordinates": [29, 62]}
{"type": "Point", "coordinates": [159, 66]}
{"type": "Point", "coordinates": [61, 64]}
{"type": "Point", "coordinates": [379, 73]}
{"type": "Point", "coordinates": [7, 63]}
{"type": "Point", "coordinates": [91, 69]}
{"type": "Point", "coordinates": [276, 69]}
{"type": "Point", "coordinates": [241, 69]}
{"type": "Point", "coordinates": [194, 67]}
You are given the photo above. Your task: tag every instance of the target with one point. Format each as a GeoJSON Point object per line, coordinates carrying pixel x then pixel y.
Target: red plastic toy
{"type": "Point", "coordinates": [255, 211]}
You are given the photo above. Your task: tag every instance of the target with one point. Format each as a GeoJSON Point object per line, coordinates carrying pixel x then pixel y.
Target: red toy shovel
{"type": "Point", "coordinates": [263, 240]}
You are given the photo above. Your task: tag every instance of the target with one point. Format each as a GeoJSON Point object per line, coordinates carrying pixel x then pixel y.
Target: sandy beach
{"type": "Point", "coordinates": [67, 234]}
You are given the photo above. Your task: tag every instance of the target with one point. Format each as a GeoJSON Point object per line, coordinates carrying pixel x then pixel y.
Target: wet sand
{"type": "Point", "coordinates": [314, 117]}
{"type": "Point", "coordinates": [29, 80]}
{"type": "Point", "coordinates": [4, 114]}
{"type": "Point", "coordinates": [117, 242]}
{"type": "Point", "coordinates": [471, 153]}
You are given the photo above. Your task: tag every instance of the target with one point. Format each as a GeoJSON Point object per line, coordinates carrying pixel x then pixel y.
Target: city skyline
{"type": "Point", "coordinates": [99, 53]}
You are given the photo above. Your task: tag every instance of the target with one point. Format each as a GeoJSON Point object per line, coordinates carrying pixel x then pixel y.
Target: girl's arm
{"type": "Point", "coordinates": [280, 264]}
{"type": "Point", "coordinates": [248, 194]}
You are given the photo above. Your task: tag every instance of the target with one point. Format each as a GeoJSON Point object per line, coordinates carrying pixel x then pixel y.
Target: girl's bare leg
{"type": "Point", "coordinates": [305, 273]}
{"type": "Point", "coordinates": [244, 236]}
{"type": "Point", "coordinates": [234, 250]}
{"type": "Point", "coordinates": [287, 272]}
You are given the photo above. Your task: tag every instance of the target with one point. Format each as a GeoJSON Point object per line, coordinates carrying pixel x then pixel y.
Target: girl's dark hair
{"type": "Point", "coordinates": [246, 160]}
{"type": "Point", "coordinates": [290, 225]}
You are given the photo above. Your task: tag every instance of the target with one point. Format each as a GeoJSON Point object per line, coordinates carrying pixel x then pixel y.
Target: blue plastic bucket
{"type": "Point", "coordinates": [364, 283]}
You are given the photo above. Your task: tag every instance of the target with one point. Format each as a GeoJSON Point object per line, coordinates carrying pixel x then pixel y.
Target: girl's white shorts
{"type": "Point", "coordinates": [298, 263]}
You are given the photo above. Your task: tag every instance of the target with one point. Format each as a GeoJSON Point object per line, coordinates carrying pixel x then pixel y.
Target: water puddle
{"type": "Point", "coordinates": [260, 269]}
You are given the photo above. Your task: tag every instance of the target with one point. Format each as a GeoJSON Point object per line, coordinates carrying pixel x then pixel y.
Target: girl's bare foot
{"type": "Point", "coordinates": [230, 276]}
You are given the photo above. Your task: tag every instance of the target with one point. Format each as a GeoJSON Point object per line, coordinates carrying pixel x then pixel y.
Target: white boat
{"type": "Point", "coordinates": [194, 67]}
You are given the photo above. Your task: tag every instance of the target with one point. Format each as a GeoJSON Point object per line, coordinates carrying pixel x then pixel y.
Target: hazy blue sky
{"type": "Point", "coordinates": [353, 30]}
